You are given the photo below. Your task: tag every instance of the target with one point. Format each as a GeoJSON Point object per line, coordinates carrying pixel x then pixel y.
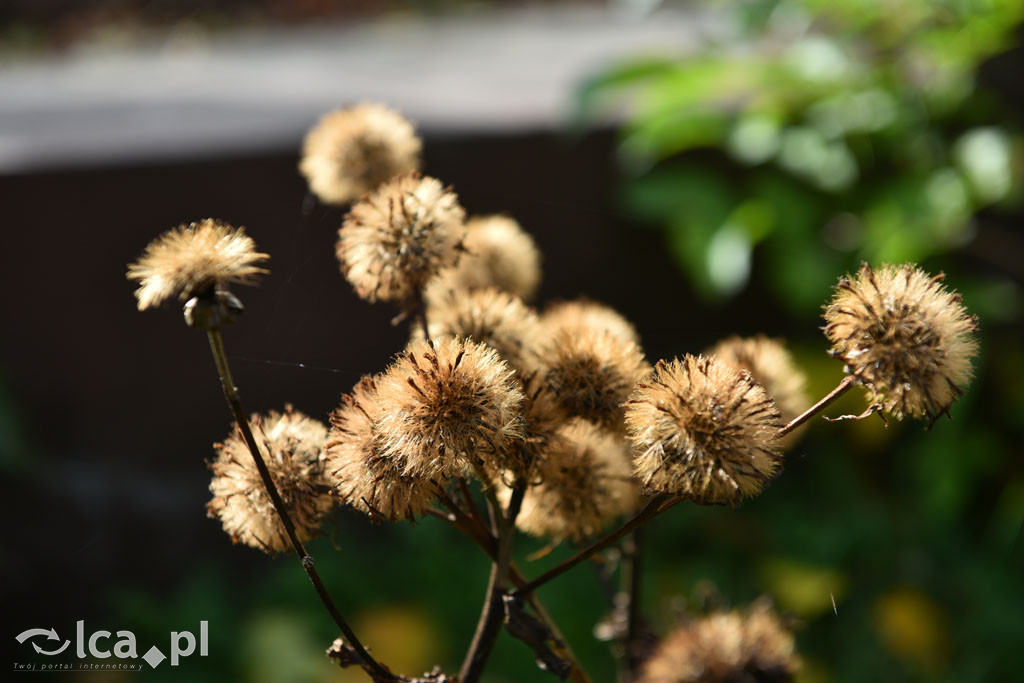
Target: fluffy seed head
{"type": "Point", "coordinates": [592, 373]}
{"type": "Point", "coordinates": [368, 481]}
{"type": "Point", "coordinates": [194, 259]}
{"type": "Point", "coordinates": [582, 483]}
{"type": "Point", "coordinates": [292, 446]}
{"type": "Point", "coordinates": [704, 430]}
{"type": "Point", "coordinates": [771, 366]}
{"type": "Point", "coordinates": [583, 314]}
{"type": "Point", "coordinates": [726, 647]}
{"type": "Point", "coordinates": [489, 316]}
{"type": "Point", "coordinates": [397, 238]}
{"type": "Point", "coordinates": [353, 151]}
{"type": "Point", "coordinates": [499, 253]}
{"type": "Point", "coordinates": [908, 339]}
{"type": "Point", "coordinates": [443, 403]}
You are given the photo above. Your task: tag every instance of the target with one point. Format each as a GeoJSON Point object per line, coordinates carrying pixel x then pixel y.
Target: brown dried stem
{"type": "Point", "coordinates": [493, 612]}
{"type": "Point", "coordinates": [825, 402]}
{"type": "Point", "coordinates": [656, 505]}
{"type": "Point", "coordinates": [374, 668]}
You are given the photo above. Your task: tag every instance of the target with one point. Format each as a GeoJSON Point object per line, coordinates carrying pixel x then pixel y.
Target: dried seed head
{"type": "Point", "coordinates": [726, 647]}
{"type": "Point", "coordinates": [353, 151]}
{"type": "Point", "coordinates": [704, 430]}
{"type": "Point", "coordinates": [499, 253]}
{"type": "Point", "coordinates": [363, 478]}
{"type": "Point", "coordinates": [907, 338]}
{"type": "Point", "coordinates": [582, 483]}
{"type": "Point", "coordinates": [444, 403]}
{"type": "Point", "coordinates": [194, 260]}
{"type": "Point", "coordinates": [583, 314]}
{"type": "Point", "coordinates": [592, 373]}
{"type": "Point", "coordinates": [771, 366]}
{"type": "Point", "coordinates": [400, 236]}
{"type": "Point", "coordinates": [292, 446]}
{"type": "Point", "coordinates": [488, 316]}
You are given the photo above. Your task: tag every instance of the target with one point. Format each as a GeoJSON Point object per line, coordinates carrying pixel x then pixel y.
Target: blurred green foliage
{"type": "Point", "coordinates": [827, 132]}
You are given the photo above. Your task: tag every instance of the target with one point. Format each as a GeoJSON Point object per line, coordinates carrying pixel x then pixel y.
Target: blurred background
{"type": "Point", "coordinates": [705, 168]}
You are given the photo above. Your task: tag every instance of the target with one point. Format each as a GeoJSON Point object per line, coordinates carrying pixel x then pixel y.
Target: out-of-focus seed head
{"type": "Point", "coordinates": [489, 316]}
{"type": "Point", "coordinates": [582, 484]}
{"type": "Point", "coordinates": [726, 647]}
{"type": "Point", "coordinates": [292, 446]}
{"type": "Point", "coordinates": [352, 151]}
{"type": "Point", "coordinates": [499, 253]}
{"type": "Point", "coordinates": [704, 430]}
{"type": "Point", "coordinates": [907, 339]}
{"type": "Point", "coordinates": [771, 366]}
{"type": "Point", "coordinates": [364, 478]}
{"type": "Point", "coordinates": [592, 373]}
{"type": "Point", "coordinates": [443, 404]}
{"type": "Point", "coordinates": [397, 238]}
{"type": "Point", "coordinates": [583, 314]}
{"type": "Point", "coordinates": [194, 260]}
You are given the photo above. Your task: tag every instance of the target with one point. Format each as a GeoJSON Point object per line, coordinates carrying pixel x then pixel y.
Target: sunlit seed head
{"type": "Point", "coordinates": [583, 314]}
{"type": "Point", "coordinates": [582, 483]}
{"type": "Point", "coordinates": [194, 260]}
{"type": "Point", "coordinates": [352, 151]}
{"type": "Point", "coordinates": [771, 366]}
{"type": "Point", "coordinates": [726, 647]}
{"type": "Point", "coordinates": [489, 316]}
{"type": "Point", "coordinates": [445, 404]}
{"type": "Point", "coordinates": [365, 479]}
{"type": "Point", "coordinates": [704, 430]}
{"type": "Point", "coordinates": [592, 373]}
{"type": "Point", "coordinates": [499, 253]}
{"type": "Point", "coordinates": [905, 336]}
{"type": "Point", "coordinates": [397, 238]}
{"type": "Point", "coordinates": [292, 446]}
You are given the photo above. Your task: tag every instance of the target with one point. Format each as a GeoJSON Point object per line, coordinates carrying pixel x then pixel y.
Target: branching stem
{"type": "Point", "coordinates": [374, 668]}
{"type": "Point", "coordinates": [492, 614]}
{"type": "Point", "coordinates": [656, 505]}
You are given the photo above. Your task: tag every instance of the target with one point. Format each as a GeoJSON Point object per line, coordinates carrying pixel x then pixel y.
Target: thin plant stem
{"type": "Point", "coordinates": [421, 313]}
{"type": "Point", "coordinates": [376, 670]}
{"type": "Point", "coordinates": [492, 614]}
{"type": "Point", "coordinates": [825, 402]}
{"type": "Point", "coordinates": [631, 585]}
{"type": "Point", "coordinates": [656, 505]}
{"type": "Point", "coordinates": [486, 541]}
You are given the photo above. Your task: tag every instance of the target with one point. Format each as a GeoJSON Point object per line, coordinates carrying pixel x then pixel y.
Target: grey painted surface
{"type": "Point", "coordinates": [200, 96]}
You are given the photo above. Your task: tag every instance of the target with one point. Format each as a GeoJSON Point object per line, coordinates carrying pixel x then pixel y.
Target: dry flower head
{"type": "Point", "coordinates": [352, 151]}
{"type": "Point", "coordinates": [704, 430]}
{"type": "Point", "coordinates": [489, 316]}
{"type": "Point", "coordinates": [592, 373]}
{"type": "Point", "coordinates": [771, 366]}
{"type": "Point", "coordinates": [582, 483]}
{"type": "Point", "coordinates": [584, 314]}
{"type": "Point", "coordinates": [726, 647]}
{"type": "Point", "coordinates": [444, 405]}
{"type": "Point", "coordinates": [193, 260]}
{"type": "Point", "coordinates": [292, 445]}
{"type": "Point", "coordinates": [368, 481]}
{"type": "Point", "coordinates": [908, 340]}
{"type": "Point", "coordinates": [499, 253]}
{"type": "Point", "coordinates": [397, 238]}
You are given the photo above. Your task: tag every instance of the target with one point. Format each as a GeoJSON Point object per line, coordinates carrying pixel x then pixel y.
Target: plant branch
{"type": "Point", "coordinates": [493, 612]}
{"type": "Point", "coordinates": [374, 668]}
{"type": "Point", "coordinates": [486, 541]}
{"type": "Point", "coordinates": [656, 505]}
{"type": "Point", "coordinates": [825, 402]}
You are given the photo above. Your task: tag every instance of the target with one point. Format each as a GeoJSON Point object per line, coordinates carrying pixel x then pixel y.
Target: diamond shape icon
{"type": "Point", "coordinates": [154, 657]}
